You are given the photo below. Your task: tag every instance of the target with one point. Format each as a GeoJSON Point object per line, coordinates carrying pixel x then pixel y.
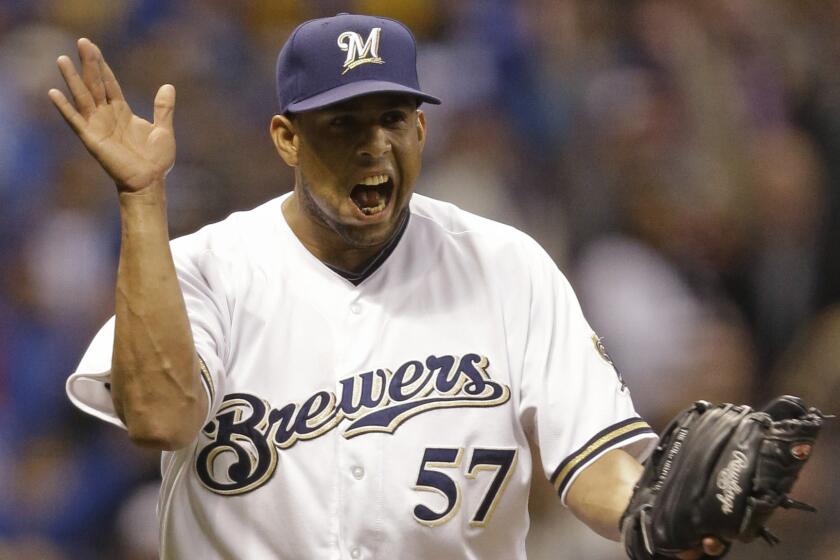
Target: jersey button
{"type": "Point", "coordinates": [356, 553]}
{"type": "Point", "coordinates": [358, 473]}
{"type": "Point", "coordinates": [356, 308]}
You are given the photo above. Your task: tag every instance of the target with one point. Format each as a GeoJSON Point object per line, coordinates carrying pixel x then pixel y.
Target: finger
{"type": "Point", "coordinates": [78, 89]}
{"type": "Point", "coordinates": [165, 106]}
{"type": "Point", "coordinates": [109, 80]}
{"type": "Point", "coordinates": [713, 546]}
{"type": "Point", "coordinates": [73, 118]}
{"type": "Point", "coordinates": [91, 74]}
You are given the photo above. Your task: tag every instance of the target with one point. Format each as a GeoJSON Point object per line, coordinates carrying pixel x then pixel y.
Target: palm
{"type": "Point", "coordinates": [134, 152]}
{"type": "Point", "coordinates": [128, 147]}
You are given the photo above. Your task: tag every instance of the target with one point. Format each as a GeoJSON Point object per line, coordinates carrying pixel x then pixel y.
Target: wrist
{"type": "Point", "coordinates": [154, 195]}
{"type": "Point", "coordinates": [144, 210]}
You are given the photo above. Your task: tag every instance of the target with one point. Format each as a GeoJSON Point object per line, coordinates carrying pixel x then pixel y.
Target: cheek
{"type": "Point", "coordinates": [318, 175]}
{"type": "Point", "coordinates": [411, 161]}
{"type": "Point", "coordinates": [312, 167]}
{"type": "Point", "coordinates": [324, 196]}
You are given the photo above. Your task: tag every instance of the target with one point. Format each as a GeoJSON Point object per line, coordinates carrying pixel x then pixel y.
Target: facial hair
{"type": "Point", "coordinates": [346, 233]}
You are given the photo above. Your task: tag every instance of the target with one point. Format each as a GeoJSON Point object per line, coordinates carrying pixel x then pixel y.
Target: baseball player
{"type": "Point", "coordinates": [350, 370]}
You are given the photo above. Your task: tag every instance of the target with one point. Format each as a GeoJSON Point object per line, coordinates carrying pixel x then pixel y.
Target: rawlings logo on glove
{"type": "Point", "coordinates": [727, 481]}
{"type": "Point", "coordinates": [719, 471]}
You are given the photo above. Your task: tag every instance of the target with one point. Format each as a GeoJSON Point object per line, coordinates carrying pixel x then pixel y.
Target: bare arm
{"type": "Point", "coordinates": [155, 381]}
{"type": "Point", "coordinates": [599, 496]}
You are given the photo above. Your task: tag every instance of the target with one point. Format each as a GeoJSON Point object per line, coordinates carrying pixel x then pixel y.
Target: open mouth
{"type": "Point", "coordinates": [372, 195]}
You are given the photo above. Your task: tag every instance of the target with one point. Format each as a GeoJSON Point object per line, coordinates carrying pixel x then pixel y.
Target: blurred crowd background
{"type": "Point", "coordinates": [680, 159]}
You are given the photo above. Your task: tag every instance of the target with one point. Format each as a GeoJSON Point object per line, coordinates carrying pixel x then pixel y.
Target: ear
{"type": "Point", "coordinates": [285, 137]}
{"type": "Point", "coordinates": [421, 128]}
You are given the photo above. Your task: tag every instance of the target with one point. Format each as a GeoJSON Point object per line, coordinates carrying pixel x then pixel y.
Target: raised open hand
{"type": "Point", "coordinates": [137, 154]}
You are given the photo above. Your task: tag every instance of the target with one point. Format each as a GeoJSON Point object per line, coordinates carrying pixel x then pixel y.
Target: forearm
{"type": "Point", "coordinates": [155, 377]}
{"type": "Point", "coordinates": [601, 493]}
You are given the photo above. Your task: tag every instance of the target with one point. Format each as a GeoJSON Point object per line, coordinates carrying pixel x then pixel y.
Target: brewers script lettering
{"type": "Point", "coordinates": [247, 432]}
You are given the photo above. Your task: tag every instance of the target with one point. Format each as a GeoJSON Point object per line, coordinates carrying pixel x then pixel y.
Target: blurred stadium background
{"type": "Point", "coordinates": [680, 159]}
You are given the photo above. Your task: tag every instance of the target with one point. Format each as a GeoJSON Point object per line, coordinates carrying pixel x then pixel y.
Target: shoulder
{"type": "Point", "coordinates": [240, 234]}
{"type": "Point", "coordinates": [487, 237]}
{"type": "Point", "coordinates": [448, 220]}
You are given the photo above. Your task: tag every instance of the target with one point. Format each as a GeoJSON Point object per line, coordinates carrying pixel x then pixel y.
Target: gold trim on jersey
{"type": "Point", "coordinates": [600, 442]}
{"type": "Point", "coordinates": [207, 378]}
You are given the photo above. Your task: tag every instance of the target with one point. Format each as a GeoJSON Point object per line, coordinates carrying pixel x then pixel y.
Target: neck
{"type": "Point", "coordinates": [327, 245]}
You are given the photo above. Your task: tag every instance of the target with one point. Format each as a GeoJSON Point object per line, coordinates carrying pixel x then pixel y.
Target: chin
{"type": "Point", "coordinates": [370, 236]}
{"type": "Point", "coordinates": [366, 237]}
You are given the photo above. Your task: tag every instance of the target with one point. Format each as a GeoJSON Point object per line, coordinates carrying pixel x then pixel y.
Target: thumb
{"type": "Point", "coordinates": [165, 106]}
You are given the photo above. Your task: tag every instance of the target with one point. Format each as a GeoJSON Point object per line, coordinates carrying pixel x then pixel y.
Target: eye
{"type": "Point", "coordinates": [395, 118]}
{"type": "Point", "coordinates": [341, 121]}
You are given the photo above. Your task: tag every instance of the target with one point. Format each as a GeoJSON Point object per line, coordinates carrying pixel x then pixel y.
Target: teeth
{"type": "Point", "coordinates": [375, 180]}
{"type": "Point", "coordinates": [371, 210]}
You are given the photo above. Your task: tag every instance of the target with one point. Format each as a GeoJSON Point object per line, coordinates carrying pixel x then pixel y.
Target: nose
{"type": "Point", "coordinates": [375, 143]}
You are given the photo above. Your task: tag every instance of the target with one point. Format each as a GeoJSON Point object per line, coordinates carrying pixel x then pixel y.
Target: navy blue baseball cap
{"type": "Point", "coordinates": [332, 59]}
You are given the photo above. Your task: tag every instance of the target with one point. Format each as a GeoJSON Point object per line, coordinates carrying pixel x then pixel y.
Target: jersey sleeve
{"type": "Point", "coordinates": [573, 401]}
{"type": "Point", "coordinates": [89, 386]}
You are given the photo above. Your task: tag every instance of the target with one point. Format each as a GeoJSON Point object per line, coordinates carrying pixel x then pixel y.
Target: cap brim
{"type": "Point", "coordinates": [356, 89]}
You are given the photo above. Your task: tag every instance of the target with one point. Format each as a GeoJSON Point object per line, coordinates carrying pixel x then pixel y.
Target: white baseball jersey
{"type": "Point", "coordinates": [384, 418]}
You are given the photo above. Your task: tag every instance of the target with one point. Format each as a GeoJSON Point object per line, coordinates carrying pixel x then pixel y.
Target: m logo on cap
{"type": "Point", "coordinates": [359, 52]}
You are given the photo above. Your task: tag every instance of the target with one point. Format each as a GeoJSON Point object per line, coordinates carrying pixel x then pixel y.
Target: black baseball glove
{"type": "Point", "coordinates": [719, 471]}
